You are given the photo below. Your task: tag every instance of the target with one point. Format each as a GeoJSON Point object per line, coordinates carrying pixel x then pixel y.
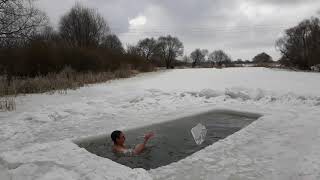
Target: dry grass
{"type": "Point", "coordinates": [7, 104]}
{"type": "Point", "coordinates": [122, 73]}
{"type": "Point", "coordinates": [54, 82]}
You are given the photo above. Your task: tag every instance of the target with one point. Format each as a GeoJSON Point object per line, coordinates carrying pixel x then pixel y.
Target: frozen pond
{"type": "Point", "coordinates": [283, 144]}
{"type": "Point", "coordinates": [173, 140]}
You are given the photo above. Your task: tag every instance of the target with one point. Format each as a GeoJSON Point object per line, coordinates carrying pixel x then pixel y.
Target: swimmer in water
{"type": "Point", "coordinates": [119, 138]}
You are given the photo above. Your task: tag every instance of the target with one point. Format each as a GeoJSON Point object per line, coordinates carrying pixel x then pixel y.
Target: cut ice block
{"type": "Point", "coordinates": [199, 133]}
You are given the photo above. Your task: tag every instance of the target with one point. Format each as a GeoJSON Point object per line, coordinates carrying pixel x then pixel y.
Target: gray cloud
{"type": "Point", "coordinates": [242, 27]}
{"type": "Point", "coordinates": [283, 2]}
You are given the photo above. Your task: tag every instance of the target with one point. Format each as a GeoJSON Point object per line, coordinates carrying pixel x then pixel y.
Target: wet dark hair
{"type": "Point", "coordinates": [115, 135]}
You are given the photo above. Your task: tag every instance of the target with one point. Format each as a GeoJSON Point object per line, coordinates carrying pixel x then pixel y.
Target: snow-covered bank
{"type": "Point", "coordinates": [65, 160]}
{"type": "Point", "coordinates": [284, 144]}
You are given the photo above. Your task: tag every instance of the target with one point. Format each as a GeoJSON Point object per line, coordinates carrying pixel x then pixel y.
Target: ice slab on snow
{"type": "Point", "coordinates": [199, 133]}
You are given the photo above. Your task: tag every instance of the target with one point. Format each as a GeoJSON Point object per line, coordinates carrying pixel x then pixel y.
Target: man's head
{"type": "Point", "coordinates": [118, 137]}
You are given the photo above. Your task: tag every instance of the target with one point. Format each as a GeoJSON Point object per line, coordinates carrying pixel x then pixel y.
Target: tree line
{"type": "Point", "coordinates": [29, 46]}
{"type": "Point", "coordinates": [299, 47]}
{"type": "Point", "coordinates": [165, 48]}
{"type": "Point", "coordinates": [219, 58]}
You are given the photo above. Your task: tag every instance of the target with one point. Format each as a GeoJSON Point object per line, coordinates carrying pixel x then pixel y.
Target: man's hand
{"type": "Point", "coordinates": [140, 147]}
{"type": "Point", "coordinates": [148, 136]}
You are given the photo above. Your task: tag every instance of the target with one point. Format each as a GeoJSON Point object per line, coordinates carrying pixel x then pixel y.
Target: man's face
{"type": "Point", "coordinates": [121, 139]}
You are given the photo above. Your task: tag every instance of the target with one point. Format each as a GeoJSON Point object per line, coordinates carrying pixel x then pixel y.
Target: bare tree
{"type": "Point", "coordinates": [148, 47]}
{"type": "Point", "coordinates": [300, 46]}
{"type": "Point", "coordinates": [112, 42]}
{"type": "Point", "coordinates": [19, 20]}
{"type": "Point", "coordinates": [198, 56]}
{"type": "Point", "coordinates": [133, 50]}
{"type": "Point", "coordinates": [47, 37]}
{"type": "Point", "coordinates": [187, 59]}
{"type": "Point", "coordinates": [219, 57]}
{"type": "Point", "coordinates": [169, 49]}
{"type": "Point", "coordinates": [83, 27]}
{"type": "Point", "coordinates": [206, 53]}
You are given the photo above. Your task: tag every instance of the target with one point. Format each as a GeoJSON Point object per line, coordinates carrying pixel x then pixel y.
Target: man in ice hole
{"type": "Point", "coordinates": [119, 138]}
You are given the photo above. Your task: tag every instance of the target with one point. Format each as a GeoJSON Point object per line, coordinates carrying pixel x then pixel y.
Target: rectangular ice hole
{"type": "Point", "coordinates": [173, 140]}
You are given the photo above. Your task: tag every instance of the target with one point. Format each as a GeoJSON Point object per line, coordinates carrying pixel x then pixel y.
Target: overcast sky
{"type": "Point", "coordinates": [242, 28]}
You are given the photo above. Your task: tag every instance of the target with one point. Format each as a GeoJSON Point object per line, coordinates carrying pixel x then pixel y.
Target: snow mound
{"type": "Point", "coordinates": [209, 93]}
{"type": "Point", "coordinates": [157, 100]}
{"type": "Point", "coordinates": [63, 160]}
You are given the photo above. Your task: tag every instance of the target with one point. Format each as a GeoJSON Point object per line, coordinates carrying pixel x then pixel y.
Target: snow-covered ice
{"type": "Point", "coordinates": [36, 139]}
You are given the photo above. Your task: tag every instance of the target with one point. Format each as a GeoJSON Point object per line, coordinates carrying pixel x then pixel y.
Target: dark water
{"type": "Point", "coordinates": [173, 140]}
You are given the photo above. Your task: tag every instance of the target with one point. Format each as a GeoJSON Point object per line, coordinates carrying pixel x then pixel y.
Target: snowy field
{"type": "Point", "coordinates": [36, 139]}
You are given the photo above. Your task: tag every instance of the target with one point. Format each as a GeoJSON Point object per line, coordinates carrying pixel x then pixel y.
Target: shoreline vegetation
{"type": "Point", "coordinates": [52, 83]}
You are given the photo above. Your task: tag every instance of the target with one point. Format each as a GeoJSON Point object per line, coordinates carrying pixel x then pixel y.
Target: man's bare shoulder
{"type": "Point", "coordinates": [118, 149]}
